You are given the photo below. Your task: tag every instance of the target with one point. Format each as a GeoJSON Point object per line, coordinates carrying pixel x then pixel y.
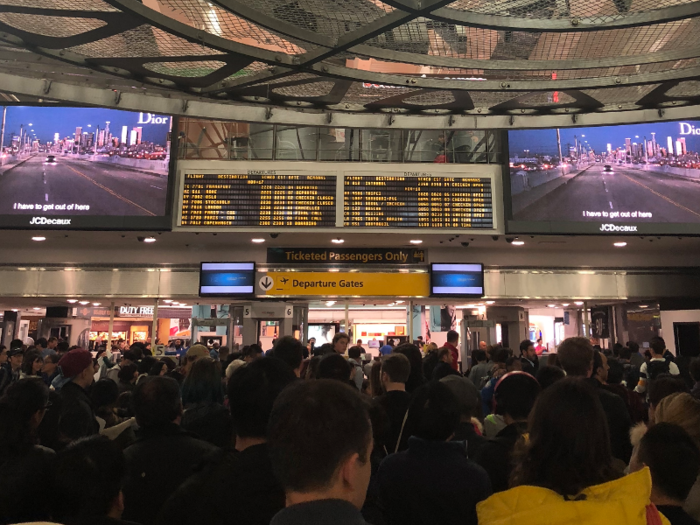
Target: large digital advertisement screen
{"type": "Point", "coordinates": [629, 179]}
{"type": "Point", "coordinates": [227, 279]}
{"type": "Point", "coordinates": [83, 168]}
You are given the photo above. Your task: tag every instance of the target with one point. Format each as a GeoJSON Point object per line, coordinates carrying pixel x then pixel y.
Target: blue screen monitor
{"type": "Point", "coordinates": [457, 280]}
{"type": "Point", "coordinates": [227, 279]}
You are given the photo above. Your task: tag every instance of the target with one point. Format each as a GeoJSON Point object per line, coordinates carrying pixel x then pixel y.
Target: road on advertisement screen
{"type": "Point", "coordinates": [56, 186]}
{"type": "Point", "coordinates": [624, 194]}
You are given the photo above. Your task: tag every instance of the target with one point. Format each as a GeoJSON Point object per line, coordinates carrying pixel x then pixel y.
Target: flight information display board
{"type": "Point", "coordinates": [418, 201]}
{"type": "Point", "coordinates": [258, 198]}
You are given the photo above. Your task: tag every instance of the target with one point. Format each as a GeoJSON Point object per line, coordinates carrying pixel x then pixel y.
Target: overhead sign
{"type": "Point", "coordinates": [349, 256]}
{"type": "Point", "coordinates": [136, 311]}
{"type": "Point", "coordinates": [346, 284]}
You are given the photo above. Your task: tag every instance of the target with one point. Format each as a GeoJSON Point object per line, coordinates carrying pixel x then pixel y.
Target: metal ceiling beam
{"type": "Point", "coordinates": [218, 110]}
{"type": "Point", "coordinates": [571, 24]}
{"type": "Point", "coordinates": [523, 65]}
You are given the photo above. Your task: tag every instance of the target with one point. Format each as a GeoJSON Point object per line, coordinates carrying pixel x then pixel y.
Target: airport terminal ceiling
{"type": "Point", "coordinates": [362, 63]}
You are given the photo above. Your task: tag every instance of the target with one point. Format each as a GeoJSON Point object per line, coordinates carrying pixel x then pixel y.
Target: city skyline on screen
{"type": "Point", "coordinates": [47, 121]}
{"type": "Point", "coordinates": [544, 141]}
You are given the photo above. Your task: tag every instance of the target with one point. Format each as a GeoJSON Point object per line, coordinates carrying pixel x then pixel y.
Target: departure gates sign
{"type": "Point", "coordinates": [344, 284]}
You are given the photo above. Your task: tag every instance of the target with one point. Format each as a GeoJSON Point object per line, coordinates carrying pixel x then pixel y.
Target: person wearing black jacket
{"type": "Point", "coordinates": [238, 487]}
{"type": "Point", "coordinates": [528, 357]}
{"type": "Point", "coordinates": [576, 358]}
{"type": "Point", "coordinates": [163, 455]}
{"type": "Point", "coordinates": [395, 372]}
{"type": "Point", "coordinates": [515, 395]}
{"type": "Point", "coordinates": [77, 415]}
{"type": "Point", "coordinates": [444, 367]}
{"type": "Point", "coordinates": [24, 465]}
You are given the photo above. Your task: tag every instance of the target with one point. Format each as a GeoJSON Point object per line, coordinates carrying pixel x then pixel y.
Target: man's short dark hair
{"type": "Point", "coordinates": [515, 395]}
{"type": "Point", "coordinates": [657, 345]}
{"type": "Point", "coordinates": [575, 356]}
{"type": "Point", "coordinates": [524, 345]}
{"type": "Point", "coordinates": [665, 385]}
{"type": "Point", "coordinates": [340, 335]}
{"type": "Point", "coordinates": [137, 350]}
{"type": "Point", "coordinates": [434, 412]}
{"type": "Point", "coordinates": [334, 366]}
{"type": "Point", "coordinates": [634, 347]}
{"type": "Point", "coordinates": [673, 458]}
{"type": "Point", "coordinates": [156, 401]}
{"type": "Point", "coordinates": [53, 358]}
{"type": "Point", "coordinates": [694, 369]}
{"type": "Point", "coordinates": [548, 375]}
{"type": "Point", "coordinates": [478, 356]}
{"type": "Point", "coordinates": [616, 371]}
{"type": "Point", "coordinates": [314, 427]}
{"type": "Point", "coordinates": [355, 352]}
{"type": "Point", "coordinates": [289, 350]}
{"type": "Point", "coordinates": [41, 342]}
{"type": "Point", "coordinates": [252, 391]}
{"type": "Point", "coordinates": [52, 340]}
{"type": "Point", "coordinates": [597, 361]}
{"type": "Point", "coordinates": [452, 336]}
{"type": "Point", "coordinates": [16, 343]}
{"type": "Point", "coordinates": [397, 367]}
{"type": "Point", "coordinates": [625, 353]}
{"type": "Point", "coordinates": [442, 352]}
{"type": "Point", "coordinates": [62, 347]}
{"type": "Point", "coordinates": [128, 354]}
{"type": "Point", "coordinates": [89, 476]}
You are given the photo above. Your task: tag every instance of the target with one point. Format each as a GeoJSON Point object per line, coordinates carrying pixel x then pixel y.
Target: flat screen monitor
{"type": "Point", "coordinates": [456, 280]}
{"type": "Point", "coordinates": [621, 180]}
{"type": "Point", "coordinates": [227, 279]}
{"type": "Point", "coordinates": [84, 168]}
{"type": "Point", "coordinates": [323, 333]}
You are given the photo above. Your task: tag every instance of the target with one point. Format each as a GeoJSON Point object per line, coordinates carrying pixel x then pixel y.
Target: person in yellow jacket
{"type": "Point", "coordinates": [565, 473]}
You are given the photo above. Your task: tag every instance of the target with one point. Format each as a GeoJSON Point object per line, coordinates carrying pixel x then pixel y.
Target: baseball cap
{"type": "Point", "coordinates": [74, 362]}
{"type": "Point", "coordinates": [14, 351]}
{"type": "Point", "coordinates": [198, 351]}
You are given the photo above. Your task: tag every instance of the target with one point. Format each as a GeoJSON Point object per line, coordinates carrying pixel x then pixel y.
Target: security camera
{"type": "Point", "coordinates": [465, 244]}
{"type": "Point", "coordinates": [495, 237]}
{"type": "Point", "coordinates": [510, 239]}
{"type": "Point", "coordinates": [274, 235]}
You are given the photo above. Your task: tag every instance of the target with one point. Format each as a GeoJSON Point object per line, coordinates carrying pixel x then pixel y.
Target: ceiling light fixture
{"type": "Point", "coordinates": [644, 306]}
{"type": "Point", "coordinates": [621, 244]}
{"type": "Point", "coordinates": [338, 241]}
{"type": "Point", "coordinates": [84, 302]}
{"type": "Point", "coordinates": [35, 308]}
{"type": "Point", "coordinates": [96, 304]}
{"type": "Point", "coordinates": [490, 302]}
{"type": "Point", "coordinates": [258, 240]}
{"type": "Point", "coordinates": [565, 304]}
{"type": "Point", "coordinates": [518, 243]}
{"type": "Point", "coordinates": [416, 241]}
{"type": "Point", "coordinates": [330, 303]}
{"type": "Point", "coordinates": [38, 238]}
{"type": "Point", "coordinates": [578, 303]}
{"type": "Point", "coordinates": [167, 301]}
{"type": "Point", "coordinates": [552, 305]}
{"type": "Point", "coordinates": [72, 301]}
{"type": "Point", "coordinates": [149, 239]}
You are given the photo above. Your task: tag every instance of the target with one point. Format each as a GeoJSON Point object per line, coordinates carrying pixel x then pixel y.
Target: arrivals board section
{"type": "Point", "coordinates": [258, 198]}
{"type": "Point", "coordinates": [417, 201]}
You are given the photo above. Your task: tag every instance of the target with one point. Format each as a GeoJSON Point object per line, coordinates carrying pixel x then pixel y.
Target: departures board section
{"type": "Point", "coordinates": [418, 200]}
{"type": "Point", "coordinates": [259, 198]}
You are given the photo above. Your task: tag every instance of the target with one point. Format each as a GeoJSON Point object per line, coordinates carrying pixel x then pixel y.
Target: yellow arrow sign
{"type": "Point", "coordinates": [348, 284]}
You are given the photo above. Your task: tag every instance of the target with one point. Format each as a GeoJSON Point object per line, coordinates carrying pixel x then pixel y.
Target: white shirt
{"type": "Point", "coordinates": [642, 385]}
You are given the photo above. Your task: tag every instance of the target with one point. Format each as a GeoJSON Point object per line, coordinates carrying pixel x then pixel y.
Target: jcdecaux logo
{"type": "Point", "coordinates": [617, 228]}
{"type": "Point", "coordinates": [46, 220]}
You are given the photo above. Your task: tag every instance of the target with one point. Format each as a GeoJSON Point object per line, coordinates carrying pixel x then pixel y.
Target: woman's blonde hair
{"type": "Point", "coordinates": [683, 410]}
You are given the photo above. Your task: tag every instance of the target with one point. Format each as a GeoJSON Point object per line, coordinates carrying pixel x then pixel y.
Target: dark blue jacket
{"type": "Point", "coordinates": [431, 483]}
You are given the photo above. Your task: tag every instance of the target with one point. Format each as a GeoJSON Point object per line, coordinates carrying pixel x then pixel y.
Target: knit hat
{"type": "Point", "coordinates": [74, 362]}
{"type": "Point", "coordinates": [198, 350]}
{"type": "Point", "coordinates": [465, 392]}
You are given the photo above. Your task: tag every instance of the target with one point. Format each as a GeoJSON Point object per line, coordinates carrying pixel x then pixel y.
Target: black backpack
{"type": "Point", "coordinates": [656, 368]}
{"type": "Point", "coordinates": [631, 375]}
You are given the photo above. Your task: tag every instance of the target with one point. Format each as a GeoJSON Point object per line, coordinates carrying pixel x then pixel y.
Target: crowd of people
{"type": "Point", "coordinates": [315, 435]}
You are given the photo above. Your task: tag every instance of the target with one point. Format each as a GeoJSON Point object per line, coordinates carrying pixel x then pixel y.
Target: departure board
{"type": "Point", "coordinates": [423, 201]}
{"type": "Point", "coordinates": [258, 198]}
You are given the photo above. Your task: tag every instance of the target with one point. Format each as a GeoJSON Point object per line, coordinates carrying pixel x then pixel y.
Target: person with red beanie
{"type": "Point", "coordinates": [77, 413]}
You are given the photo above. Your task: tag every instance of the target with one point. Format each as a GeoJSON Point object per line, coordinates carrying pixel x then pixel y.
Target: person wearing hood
{"type": "Point", "coordinates": [567, 473]}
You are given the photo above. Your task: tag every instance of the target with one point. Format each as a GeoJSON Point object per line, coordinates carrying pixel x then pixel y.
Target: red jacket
{"type": "Point", "coordinates": [455, 355]}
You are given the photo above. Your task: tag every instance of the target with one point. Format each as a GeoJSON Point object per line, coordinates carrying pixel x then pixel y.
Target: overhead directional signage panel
{"type": "Point", "coordinates": [344, 284]}
{"type": "Point", "coordinates": [349, 256]}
